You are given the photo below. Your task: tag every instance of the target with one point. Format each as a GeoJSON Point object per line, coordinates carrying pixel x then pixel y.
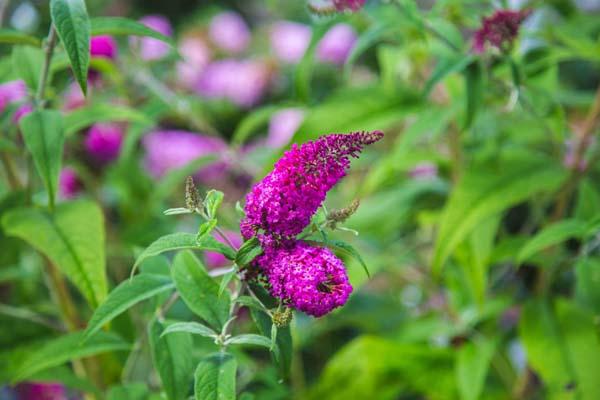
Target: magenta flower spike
{"type": "Point", "coordinates": [103, 46]}
{"type": "Point", "coordinates": [103, 142]}
{"type": "Point", "coordinates": [282, 204]}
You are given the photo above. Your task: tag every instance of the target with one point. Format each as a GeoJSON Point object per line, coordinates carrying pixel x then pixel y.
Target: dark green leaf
{"type": "Point", "coordinates": [445, 67]}
{"type": "Point", "coordinates": [172, 359]}
{"type": "Point", "coordinates": [199, 291]}
{"type": "Point", "coordinates": [250, 302]}
{"type": "Point", "coordinates": [283, 354]}
{"type": "Point", "coordinates": [124, 296]}
{"type": "Point", "coordinates": [552, 235]}
{"type": "Point", "coordinates": [44, 138]}
{"type": "Point", "coordinates": [215, 377]}
{"type": "Point", "coordinates": [474, 91]}
{"type": "Point", "coordinates": [249, 250]}
{"type": "Point", "coordinates": [124, 26]}
{"type": "Point", "coordinates": [71, 21]}
{"type": "Point", "coordinates": [72, 238]}
{"type": "Point", "coordinates": [65, 348]}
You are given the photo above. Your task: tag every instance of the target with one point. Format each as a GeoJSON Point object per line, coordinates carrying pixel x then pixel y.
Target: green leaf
{"type": "Point", "coordinates": [250, 302]}
{"type": "Point", "coordinates": [561, 343]}
{"type": "Point", "coordinates": [66, 348]}
{"type": "Point", "coordinates": [248, 251]}
{"type": "Point", "coordinates": [206, 228]}
{"type": "Point", "coordinates": [70, 19]}
{"type": "Point", "coordinates": [283, 355]}
{"type": "Point", "coordinates": [225, 281]}
{"type": "Point", "coordinates": [212, 202]}
{"type": "Point", "coordinates": [474, 91]}
{"type": "Point", "coordinates": [44, 138]}
{"type": "Point", "coordinates": [27, 64]}
{"type": "Point", "coordinates": [215, 377]}
{"type": "Point", "coordinates": [199, 291]}
{"type": "Point", "coordinates": [123, 26]}
{"type": "Point", "coordinates": [101, 112]}
{"type": "Point", "coordinates": [587, 289]}
{"type": "Point", "coordinates": [194, 328]}
{"type": "Point", "coordinates": [446, 66]}
{"type": "Point", "coordinates": [488, 189]}
{"type": "Point", "coordinates": [179, 241]}
{"type": "Point", "coordinates": [472, 366]}
{"type": "Point", "coordinates": [552, 235]}
{"type": "Point", "coordinates": [351, 251]}
{"type": "Point", "coordinates": [252, 339]}
{"type": "Point", "coordinates": [252, 123]}
{"type": "Point", "coordinates": [124, 296]}
{"type": "Point", "coordinates": [12, 36]}
{"type": "Point", "coordinates": [588, 202]}
{"type": "Point", "coordinates": [172, 359]}
{"type": "Point", "coordinates": [72, 238]}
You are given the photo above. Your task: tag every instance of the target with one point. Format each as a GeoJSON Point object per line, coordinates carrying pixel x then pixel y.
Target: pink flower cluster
{"type": "Point", "coordinates": [499, 30]}
{"type": "Point", "coordinates": [310, 279]}
{"type": "Point", "coordinates": [279, 207]}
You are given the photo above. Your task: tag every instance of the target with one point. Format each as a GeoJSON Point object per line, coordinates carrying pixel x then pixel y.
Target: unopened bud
{"type": "Point", "coordinates": [282, 318]}
{"type": "Point", "coordinates": [192, 198]}
{"type": "Point", "coordinates": [337, 216]}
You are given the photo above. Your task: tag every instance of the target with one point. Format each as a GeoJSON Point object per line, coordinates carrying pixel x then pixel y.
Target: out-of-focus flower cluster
{"type": "Point", "coordinates": [499, 30]}
{"type": "Point", "coordinates": [281, 206]}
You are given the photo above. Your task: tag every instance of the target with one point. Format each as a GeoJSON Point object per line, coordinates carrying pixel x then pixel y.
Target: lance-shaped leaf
{"type": "Point", "coordinates": [215, 377]}
{"type": "Point", "coordinates": [126, 295]}
{"type": "Point", "coordinates": [72, 238]}
{"type": "Point", "coordinates": [173, 360]}
{"type": "Point", "coordinates": [101, 112]}
{"type": "Point", "coordinates": [195, 328]}
{"type": "Point", "coordinates": [71, 21]}
{"type": "Point", "coordinates": [12, 36]}
{"type": "Point", "coordinates": [66, 348]}
{"type": "Point", "coordinates": [43, 134]}
{"type": "Point", "coordinates": [199, 291]}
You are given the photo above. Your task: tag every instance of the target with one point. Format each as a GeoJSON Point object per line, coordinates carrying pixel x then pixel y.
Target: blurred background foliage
{"type": "Point", "coordinates": [479, 215]}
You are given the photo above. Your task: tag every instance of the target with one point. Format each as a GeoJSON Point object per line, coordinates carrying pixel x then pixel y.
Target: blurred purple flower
{"type": "Point", "coordinates": [307, 278]}
{"type": "Point", "coordinates": [282, 204]}
{"type": "Point", "coordinates": [103, 46]}
{"type": "Point", "coordinates": [73, 97]}
{"type": "Point", "coordinates": [42, 391]}
{"type": "Point", "coordinates": [242, 82]}
{"type": "Point", "coordinates": [22, 111]}
{"type": "Point", "coordinates": [153, 49]}
{"type": "Point", "coordinates": [352, 5]}
{"type": "Point", "coordinates": [103, 142]}
{"type": "Point", "coordinates": [499, 30]}
{"type": "Point", "coordinates": [289, 40]}
{"type": "Point", "coordinates": [423, 171]}
{"type": "Point", "coordinates": [217, 260]}
{"type": "Point", "coordinates": [12, 92]}
{"type": "Point", "coordinates": [69, 184]}
{"type": "Point", "coordinates": [283, 125]}
{"type": "Point", "coordinates": [229, 31]}
{"type": "Point", "coordinates": [168, 150]}
{"type": "Point", "coordinates": [336, 45]}
{"type": "Point", "coordinates": [196, 55]}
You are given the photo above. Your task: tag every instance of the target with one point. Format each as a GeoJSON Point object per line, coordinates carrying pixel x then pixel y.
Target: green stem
{"type": "Point", "coordinates": [11, 175]}
{"type": "Point", "coordinates": [49, 51]}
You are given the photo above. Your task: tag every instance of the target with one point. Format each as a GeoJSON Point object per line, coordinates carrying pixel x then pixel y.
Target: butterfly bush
{"type": "Point", "coordinates": [278, 208]}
